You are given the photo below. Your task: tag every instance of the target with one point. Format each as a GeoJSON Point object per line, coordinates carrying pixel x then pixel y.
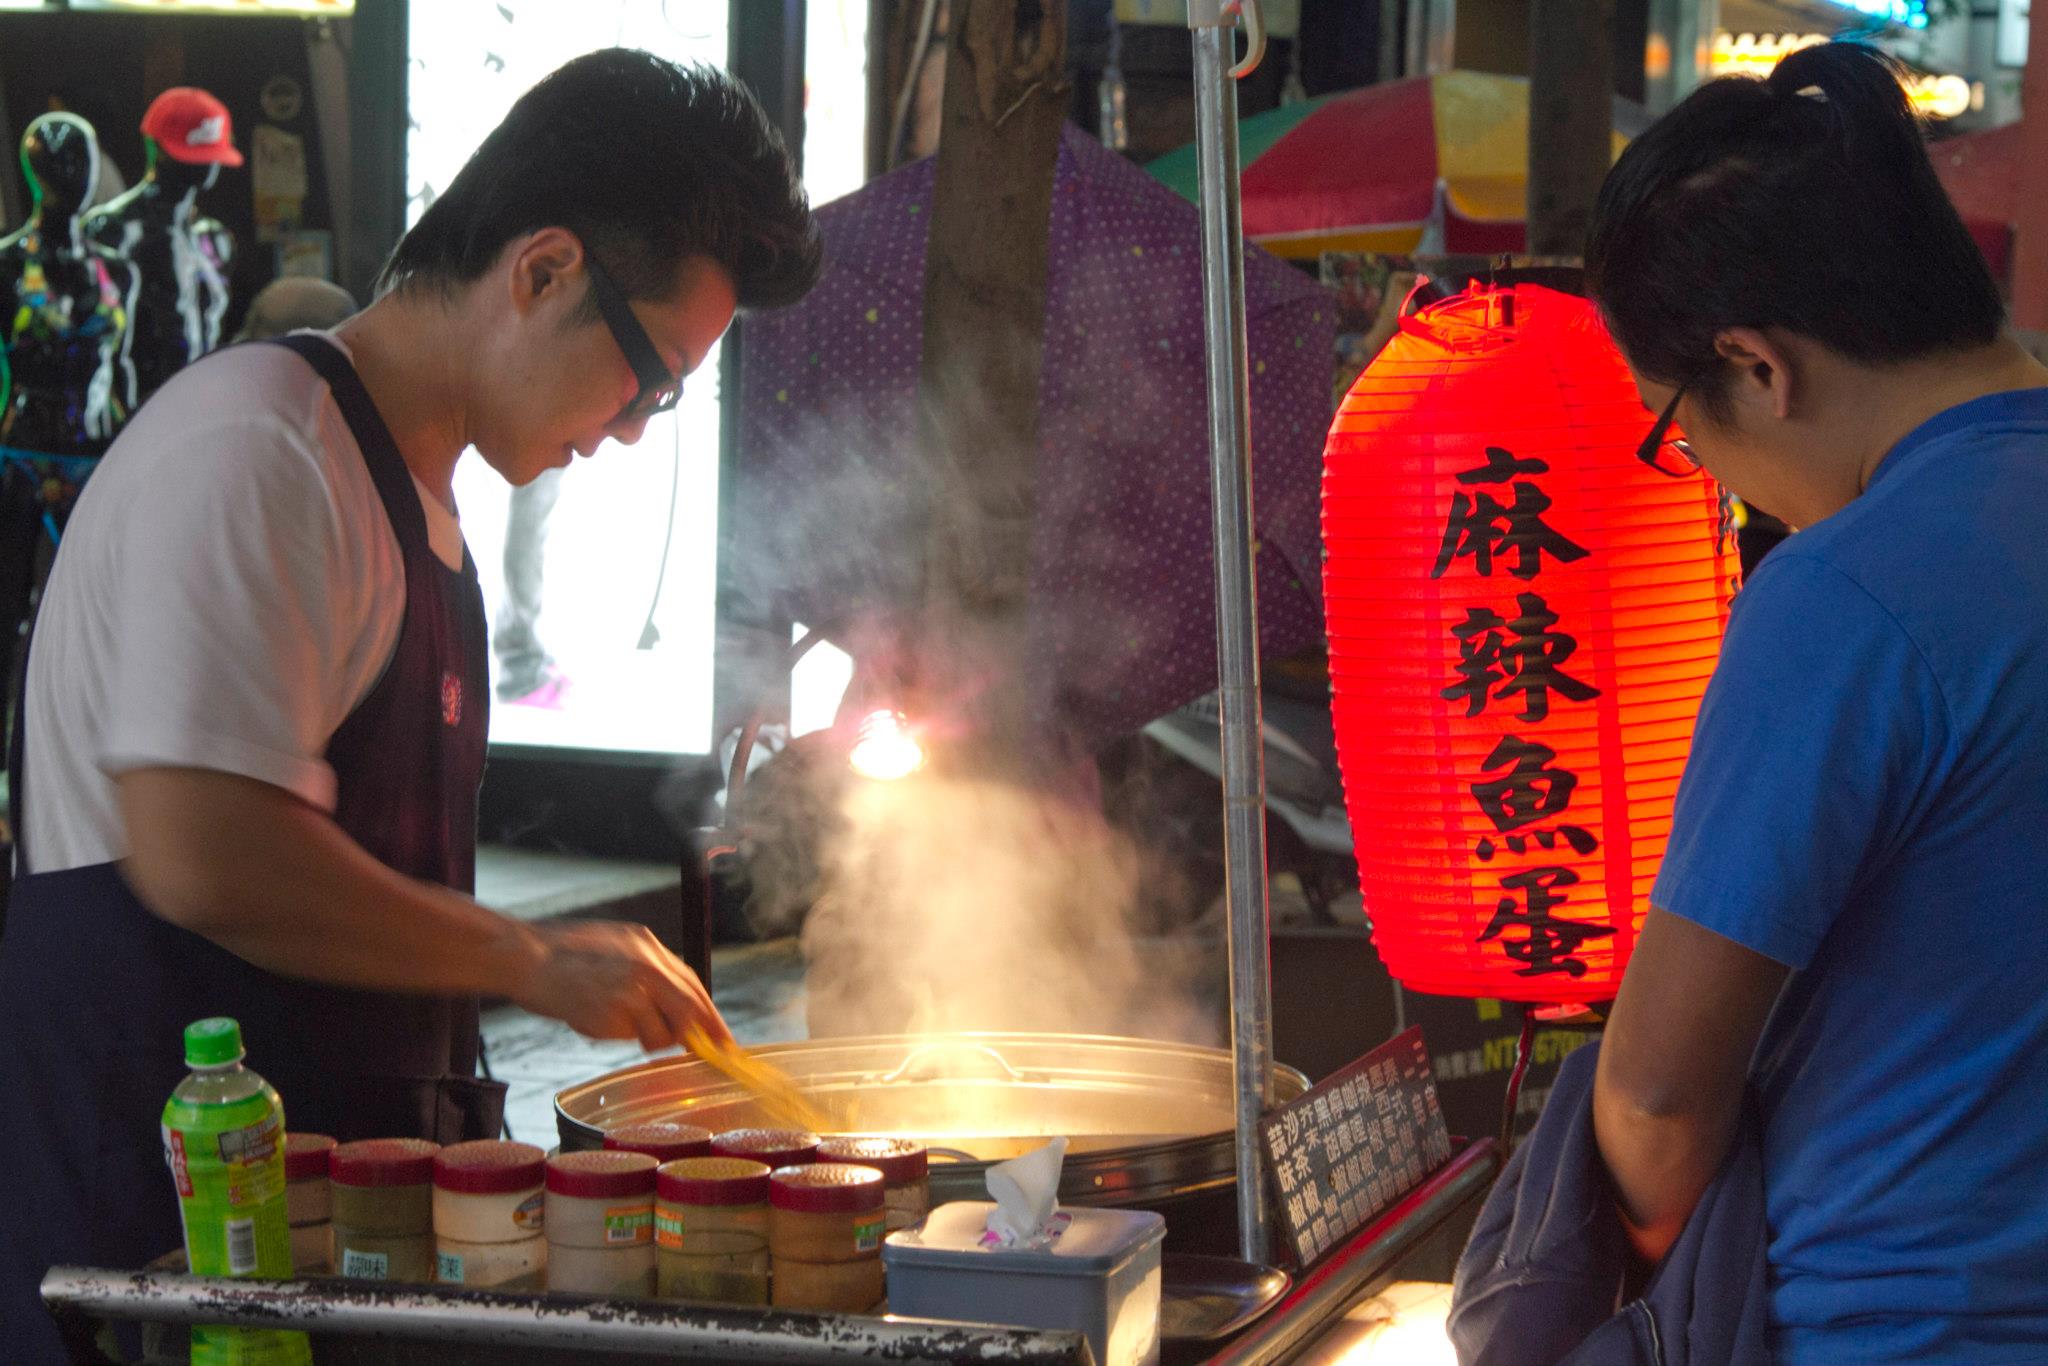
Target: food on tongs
{"type": "Point", "coordinates": [780, 1098]}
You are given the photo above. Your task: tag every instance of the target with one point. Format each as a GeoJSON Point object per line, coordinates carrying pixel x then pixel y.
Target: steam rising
{"type": "Point", "coordinates": [959, 903]}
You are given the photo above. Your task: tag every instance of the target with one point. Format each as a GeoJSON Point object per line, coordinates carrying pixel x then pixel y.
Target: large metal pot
{"type": "Point", "coordinates": [1148, 1122]}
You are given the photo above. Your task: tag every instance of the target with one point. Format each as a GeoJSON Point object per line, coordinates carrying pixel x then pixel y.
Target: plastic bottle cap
{"type": "Point", "coordinates": [306, 1156]}
{"type": "Point", "coordinates": [713, 1181]}
{"type": "Point", "coordinates": [663, 1141]}
{"type": "Point", "coordinates": [776, 1147]}
{"type": "Point", "coordinates": [899, 1160]}
{"type": "Point", "coordinates": [383, 1162]}
{"type": "Point", "coordinates": [601, 1175]}
{"type": "Point", "coordinates": [489, 1166]}
{"type": "Point", "coordinates": [826, 1188]}
{"type": "Point", "coordinates": [213, 1042]}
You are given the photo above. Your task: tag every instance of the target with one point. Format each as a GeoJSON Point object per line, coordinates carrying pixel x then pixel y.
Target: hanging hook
{"type": "Point", "coordinates": [1226, 14]}
{"type": "Point", "coordinates": [1255, 35]}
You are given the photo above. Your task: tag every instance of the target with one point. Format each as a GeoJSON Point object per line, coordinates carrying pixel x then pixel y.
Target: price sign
{"type": "Point", "coordinates": [1355, 1144]}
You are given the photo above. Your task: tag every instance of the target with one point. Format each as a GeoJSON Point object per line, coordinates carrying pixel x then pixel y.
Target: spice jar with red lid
{"type": "Point", "coordinates": [825, 1226]}
{"type": "Point", "coordinates": [490, 1210]}
{"type": "Point", "coordinates": [663, 1140]}
{"type": "Point", "coordinates": [711, 1230]}
{"type": "Point", "coordinates": [309, 1203]}
{"type": "Point", "coordinates": [383, 1195]}
{"type": "Point", "coordinates": [600, 1223]}
{"type": "Point", "coordinates": [771, 1147]}
{"type": "Point", "coordinates": [905, 1167]}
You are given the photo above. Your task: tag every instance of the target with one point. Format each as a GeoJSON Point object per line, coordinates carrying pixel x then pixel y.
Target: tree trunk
{"type": "Point", "coordinates": [984, 323]}
{"type": "Point", "coordinates": [1571, 96]}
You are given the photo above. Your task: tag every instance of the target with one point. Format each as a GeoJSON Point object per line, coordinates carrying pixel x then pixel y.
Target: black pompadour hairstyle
{"type": "Point", "coordinates": [648, 162]}
{"type": "Point", "coordinates": [1804, 201]}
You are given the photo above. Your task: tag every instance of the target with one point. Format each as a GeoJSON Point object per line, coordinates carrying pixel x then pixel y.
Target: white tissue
{"type": "Point", "coordinates": [1027, 1194]}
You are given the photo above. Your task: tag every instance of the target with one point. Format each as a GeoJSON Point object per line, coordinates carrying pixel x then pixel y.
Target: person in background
{"type": "Point", "coordinates": [1853, 930]}
{"type": "Point", "coordinates": [258, 688]}
{"type": "Point", "coordinates": [292, 303]}
{"type": "Point", "coordinates": [527, 673]}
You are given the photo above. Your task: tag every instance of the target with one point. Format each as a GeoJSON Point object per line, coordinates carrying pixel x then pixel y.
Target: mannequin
{"type": "Point", "coordinates": [63, 384]}
{"type": "Point", "coordinates": [177, 257]}
{"type": "Point", "coordinates": [64, 303]}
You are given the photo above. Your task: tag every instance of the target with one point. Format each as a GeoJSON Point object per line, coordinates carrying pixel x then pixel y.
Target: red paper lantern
{"type": "Point", "coordinates": [1522, 618]}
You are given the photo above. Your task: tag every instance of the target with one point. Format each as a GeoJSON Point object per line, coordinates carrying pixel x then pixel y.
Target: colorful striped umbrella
{"type": "Point", "coordinates": [1431, 163]}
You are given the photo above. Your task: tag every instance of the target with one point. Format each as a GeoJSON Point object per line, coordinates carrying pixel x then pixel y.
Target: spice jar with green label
{"type": "Point", "coordinates": [662, 1140]}
{"type": "Point", "coordinates": [825, 1227]}
{"type": "Point", "coordinates": [771, 1147]}
{"type": "Point", "coordinates": [711, 1230]}
{"type": "Point", "coordinates": [600, 1223]}
{"type": "Point", "coordinates": [905, 1167]}
{"type": "Point", "coordinates": [490, 1214]}
{"type": "Point", "coordinates": [383, 1195]}
{"type": "Point", "coordinates": [309, 1201]}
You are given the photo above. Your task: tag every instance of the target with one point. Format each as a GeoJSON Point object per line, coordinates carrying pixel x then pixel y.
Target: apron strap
{"type": "Point", "coordinates": [380, 449]}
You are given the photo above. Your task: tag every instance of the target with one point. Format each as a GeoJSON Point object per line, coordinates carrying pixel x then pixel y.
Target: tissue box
{"type": "Point", "coordinates": [1101, 1277]}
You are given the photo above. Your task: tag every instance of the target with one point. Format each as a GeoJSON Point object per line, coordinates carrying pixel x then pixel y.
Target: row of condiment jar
{"type": "Point", "coordinates": [747, 1217]}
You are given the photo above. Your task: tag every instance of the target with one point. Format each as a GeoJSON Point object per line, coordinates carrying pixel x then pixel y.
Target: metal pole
{"type": "Point", "coordinates": [1237, 613]}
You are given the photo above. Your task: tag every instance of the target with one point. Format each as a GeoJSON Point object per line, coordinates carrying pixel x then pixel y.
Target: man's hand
{"type": "Point", "coordinates": [611, 980]}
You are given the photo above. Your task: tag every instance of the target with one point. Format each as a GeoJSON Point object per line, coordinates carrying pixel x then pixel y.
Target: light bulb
{"type": "Point", "coordinates": [885, 749]}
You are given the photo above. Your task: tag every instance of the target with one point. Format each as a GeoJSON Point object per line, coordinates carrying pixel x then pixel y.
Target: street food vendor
{"type": "Point", "coordinates": [257, 693]}
{"type": "Point", "coordinates": [1850, 915]}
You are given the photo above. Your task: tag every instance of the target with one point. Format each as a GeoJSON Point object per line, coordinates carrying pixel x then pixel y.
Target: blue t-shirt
{"type": "Point", "coordinates": [1867, 803]}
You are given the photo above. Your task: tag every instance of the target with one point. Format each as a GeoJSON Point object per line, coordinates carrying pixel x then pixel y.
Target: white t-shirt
{"type": "Point", "coordinates": [228, 590]}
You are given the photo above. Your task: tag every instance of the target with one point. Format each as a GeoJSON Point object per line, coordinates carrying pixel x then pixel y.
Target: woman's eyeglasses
{"type": "Point", "coordinates": [660, 390]}
{"type": "Point", "coordinates": [1668, 457]}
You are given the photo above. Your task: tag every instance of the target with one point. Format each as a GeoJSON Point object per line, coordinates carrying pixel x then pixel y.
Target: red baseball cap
{"type": "Point", "coordinates": [192, 126]}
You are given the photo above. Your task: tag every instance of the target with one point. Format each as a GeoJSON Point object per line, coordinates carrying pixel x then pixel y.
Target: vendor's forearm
{"type": "Point", "coordinates": [1661, 1163]}
{"type": "Point", "coordinates": [278, 883]}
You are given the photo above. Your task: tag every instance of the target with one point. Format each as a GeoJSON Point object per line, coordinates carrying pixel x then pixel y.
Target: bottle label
{"type": "Point", "coordinates": [365, 1266]}
{"type": "Point", "coordinates": [531, 1214]}
{"type": "Point", "coordinates": [628, 1225]}
{"type": "Point", "coordinates": [448, 1268]}
{"type": "Point", "coordinates": [241, 1247]}
{"type": "Point", "coordinates": [668, 1229]}
{"type": "Point", "coordinates": [868, 1237]}
{"type": "Point", "coordinates": [227, 1162]}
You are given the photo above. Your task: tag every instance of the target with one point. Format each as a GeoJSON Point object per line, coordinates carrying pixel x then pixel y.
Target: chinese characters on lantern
{"type": "Point", "coordinates": [1516, 659]}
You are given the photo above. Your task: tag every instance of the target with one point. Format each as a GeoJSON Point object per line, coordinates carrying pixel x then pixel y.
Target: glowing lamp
{"type": "Point", "coordinates": [1522, 620]}
{"type": "Point", "coordinates": [884, 748]}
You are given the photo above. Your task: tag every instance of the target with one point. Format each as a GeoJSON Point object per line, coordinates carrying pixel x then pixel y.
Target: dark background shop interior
{"type": "Point", "coordinates": [105, 67]}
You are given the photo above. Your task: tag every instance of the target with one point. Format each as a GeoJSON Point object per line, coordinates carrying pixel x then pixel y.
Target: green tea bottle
{"type": "Point", "coordinates": [224, 1141]}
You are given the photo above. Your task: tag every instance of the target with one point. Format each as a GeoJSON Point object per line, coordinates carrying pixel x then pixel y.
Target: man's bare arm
{"type": "Point", "coordinates": [278, 883]}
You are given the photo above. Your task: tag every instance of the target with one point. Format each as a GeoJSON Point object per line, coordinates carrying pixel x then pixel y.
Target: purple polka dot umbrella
{"type": "Point", "coordinates": [1122, 590]}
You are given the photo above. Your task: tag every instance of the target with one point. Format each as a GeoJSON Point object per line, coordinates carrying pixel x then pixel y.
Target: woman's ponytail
{"type": "Point", "coordinates": [1855, 92]}
{"type": "Point", "coordinates": [1777, 204]}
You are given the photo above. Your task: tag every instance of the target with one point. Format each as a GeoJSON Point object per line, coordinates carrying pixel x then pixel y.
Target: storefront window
{"type": "Point", "coordinates": [835, 97]}
{"type": "Point", "coordinates": [617, 578]}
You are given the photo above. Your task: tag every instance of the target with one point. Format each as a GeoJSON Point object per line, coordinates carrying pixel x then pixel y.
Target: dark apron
{"type": "Point", "coordinates": [95, 991]}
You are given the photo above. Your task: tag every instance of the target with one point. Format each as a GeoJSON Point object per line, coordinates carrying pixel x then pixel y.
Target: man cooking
{"type": "Point", "coordinates": [1853, 926]}
{"type": "Point", "coordinates": [257, 691]}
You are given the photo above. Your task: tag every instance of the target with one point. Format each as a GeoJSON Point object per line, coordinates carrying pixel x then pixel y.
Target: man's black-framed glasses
{"type": "Point", "coordinates": [660, 390]}
{"type": "Point", "coordinates": [1673, 458]}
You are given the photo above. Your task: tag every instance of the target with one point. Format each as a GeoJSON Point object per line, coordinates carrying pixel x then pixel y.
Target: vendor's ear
{"type": "Point", "coordinates": [543, 266]}
{"type": "Point", "coordinates": [1763, 372]}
